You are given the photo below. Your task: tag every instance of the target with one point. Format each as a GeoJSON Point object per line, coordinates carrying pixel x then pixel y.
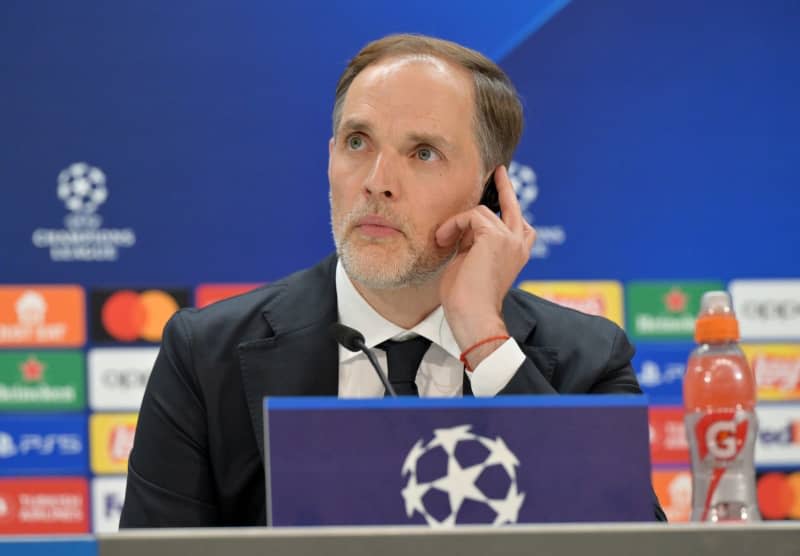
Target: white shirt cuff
{"type": "Point", "coordinates": [496, 370]}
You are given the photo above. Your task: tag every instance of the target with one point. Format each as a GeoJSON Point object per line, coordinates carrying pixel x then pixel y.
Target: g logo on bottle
{"type": "Point", "coordinates": [721, 434]}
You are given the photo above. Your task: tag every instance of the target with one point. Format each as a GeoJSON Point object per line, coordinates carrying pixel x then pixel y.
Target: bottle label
{"type": "Point", "coordinates": [722, 444]}
{"type": "Point", "coordinates": [721, 435]}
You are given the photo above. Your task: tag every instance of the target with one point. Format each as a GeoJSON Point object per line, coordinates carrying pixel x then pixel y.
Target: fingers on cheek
{"type": "Point", "coordinates": [467, 239]}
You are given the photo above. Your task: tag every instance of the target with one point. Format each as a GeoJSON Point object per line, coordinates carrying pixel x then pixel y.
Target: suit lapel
{"type": "Point", "coordinates": [298, 357]}
{"type": "Point", "coordinates": [521, 326]}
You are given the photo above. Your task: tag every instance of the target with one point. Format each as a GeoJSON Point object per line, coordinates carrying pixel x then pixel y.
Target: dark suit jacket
{"type": "Point", "coordinates": [197, 458]}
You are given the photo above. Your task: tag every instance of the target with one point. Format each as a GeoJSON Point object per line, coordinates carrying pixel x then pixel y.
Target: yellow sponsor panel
{"type": "Point", "coordinates": [111, 441]}
{"type": "Point", "coordinates": [595, 298]}
{"type": "Point", "coordinates": [776, 368]}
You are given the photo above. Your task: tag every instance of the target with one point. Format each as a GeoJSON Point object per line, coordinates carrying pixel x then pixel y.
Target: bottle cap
{"type": "Point", "coordinates": [717, 322]}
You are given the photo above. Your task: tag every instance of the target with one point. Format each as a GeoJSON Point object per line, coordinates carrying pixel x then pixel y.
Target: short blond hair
{"type": "Point", "coordinates": [498, 110]}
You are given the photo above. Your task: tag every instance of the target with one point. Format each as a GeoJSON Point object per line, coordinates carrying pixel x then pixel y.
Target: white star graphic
{"type": "Point", "coordinates": [500, 454]}
{"type": "Point", "coordinates": [411, 459]}
{"type": "Point", "coordinates": [448, 438]}
{"type": "Point", "coordinates": [413, 494]}
{"type": "Point", "coordinates": [508, 509]}
{"type": "Point", "coordinates": [449, 521]}
{"type": "Point", "coordinates": [459, 484]}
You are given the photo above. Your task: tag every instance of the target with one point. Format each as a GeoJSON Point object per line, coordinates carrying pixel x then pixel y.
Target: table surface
{"type": "Point", "coordinates": [770, 538]}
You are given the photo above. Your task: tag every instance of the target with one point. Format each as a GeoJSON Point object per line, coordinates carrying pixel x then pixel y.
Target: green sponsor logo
{"type": "Point", "coordinates": [42, 380]}
{"type": "Point", "coordinates": [665, 310]}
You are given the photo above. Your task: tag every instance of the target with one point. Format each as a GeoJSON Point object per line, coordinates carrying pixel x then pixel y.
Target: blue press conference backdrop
{"type": "Point", "coordinates": [662, 136]}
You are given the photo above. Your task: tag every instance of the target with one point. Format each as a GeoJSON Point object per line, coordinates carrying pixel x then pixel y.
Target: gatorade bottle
{"type": "Point", "coordinates": [719, 394]}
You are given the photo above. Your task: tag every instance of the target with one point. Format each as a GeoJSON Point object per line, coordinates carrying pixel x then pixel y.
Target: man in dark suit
{"type": "Point", "coordinates": [420, 127]}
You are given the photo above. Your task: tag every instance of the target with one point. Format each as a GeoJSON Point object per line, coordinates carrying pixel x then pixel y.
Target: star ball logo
{"type": "Point", "coordinates": [131, 315]}
{"type": "Point", "coordinates": [82, 188]}
{"type": "Point", "coordinates": [526, 186]}
{"type": "Point", "coordinates": [461, 477]}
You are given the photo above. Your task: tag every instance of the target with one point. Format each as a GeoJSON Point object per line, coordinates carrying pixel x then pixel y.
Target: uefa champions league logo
{"type": "Point", "coordinates": [461, 477]}
{"type": "Point", "coordinates": [524, 180]}
{"type": "Point", "coordinates": [82, 188]}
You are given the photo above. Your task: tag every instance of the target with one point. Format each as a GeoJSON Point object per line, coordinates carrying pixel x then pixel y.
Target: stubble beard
{"type": "Point", "coordinates": [397, 262]}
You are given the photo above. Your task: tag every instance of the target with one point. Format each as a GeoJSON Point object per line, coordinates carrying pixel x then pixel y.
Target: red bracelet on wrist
{"type": "Point", "coordinates": [466, 352]}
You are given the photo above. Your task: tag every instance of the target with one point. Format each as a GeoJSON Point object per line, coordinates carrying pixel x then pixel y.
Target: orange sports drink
{"type": "Point", "coordinates": [719, 394]}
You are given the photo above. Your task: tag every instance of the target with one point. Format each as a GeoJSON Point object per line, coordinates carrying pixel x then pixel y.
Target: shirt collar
{"type": "Point", "coordinates": [355, 312]}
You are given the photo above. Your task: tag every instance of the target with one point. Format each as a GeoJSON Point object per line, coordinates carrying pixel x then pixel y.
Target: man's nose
{"type": "Point", "coordinates": [382, 177]}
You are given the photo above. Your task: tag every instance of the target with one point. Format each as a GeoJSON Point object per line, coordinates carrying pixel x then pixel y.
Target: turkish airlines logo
{"type": "Point", "coordinates": [722, 435]}
{"type": "Point", "coordinates": [668, 441]}
{"type": "Point", "coordinates": [34, 506]}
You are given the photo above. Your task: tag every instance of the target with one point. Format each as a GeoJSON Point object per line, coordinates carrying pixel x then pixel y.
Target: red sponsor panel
{"type": "Point", "coordinates": [668, 442]}
{"type": "Point", "coordinates": [44, 506]}
{"type": "Point", "coordinates": [206, 294]}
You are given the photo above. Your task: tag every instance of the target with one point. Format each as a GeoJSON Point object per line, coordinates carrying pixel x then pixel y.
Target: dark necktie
{"type": "Point", "coordinates": [404, 359]}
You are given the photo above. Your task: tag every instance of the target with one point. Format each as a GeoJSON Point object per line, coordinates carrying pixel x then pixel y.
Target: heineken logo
{"type": "Point", "coordinates": [32, 370]}
{"type": "Point", "coordinates": [665, 310]}
{"type": "Point", "coordinates": [675, 301]}
{"type": "Point", "coordinates": [48, 380]}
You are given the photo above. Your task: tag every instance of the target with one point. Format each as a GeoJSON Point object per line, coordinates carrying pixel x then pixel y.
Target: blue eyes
{"type": "Point", "coordinates": [425, 154]}
{"type": "Point", "coordinates": [355, 142]}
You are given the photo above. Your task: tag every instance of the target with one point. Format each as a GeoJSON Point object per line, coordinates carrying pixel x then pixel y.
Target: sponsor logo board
{"type": "Point", "coordinates": [668, 441]}
{"type": "Point", "coordinates": [206, 294]}
{"type": "Point", "coordinates": [42, 380]}
{"type": "Point", "coordinates": [134, 315]}
{"type": "Point", "coordinates": [660, 369]}
{"type": "Point", "coordinates": [108, 494]}
{"type": "Point", "coordinates": [118, 376]}
{"type": "Point", "coordinates": [767, 309]}
{"type": "Point", "coordinates": [778, 440]}
{"type": "Point", "coordinates": [43, 444]}
{"type": "Point", "coordinates": [776, 368]}
{"type": "Point", "coordinates": [602, 298]}
{"type": "Point", "coordinates": [674, 491]}
{"type": "Point", "coordinates": [44, 506]}
{"type": "Point", "coordinates": [779, 495]}
{"type": "Point", "coordinates": [42, 316]}
{"type": "Point", "coordinates": [112, 439]}
{"type": "Point", "coordinates": [665, 310]}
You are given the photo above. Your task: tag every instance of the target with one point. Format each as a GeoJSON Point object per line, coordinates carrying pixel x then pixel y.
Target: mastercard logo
{"type": "Point", "coordinates": [779, 495]}
{"type": "Point", "coordinates": [131, 315]}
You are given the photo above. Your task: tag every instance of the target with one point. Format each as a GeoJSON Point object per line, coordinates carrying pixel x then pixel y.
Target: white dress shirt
{"type": "Point", "coordinates": [440, 374]}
